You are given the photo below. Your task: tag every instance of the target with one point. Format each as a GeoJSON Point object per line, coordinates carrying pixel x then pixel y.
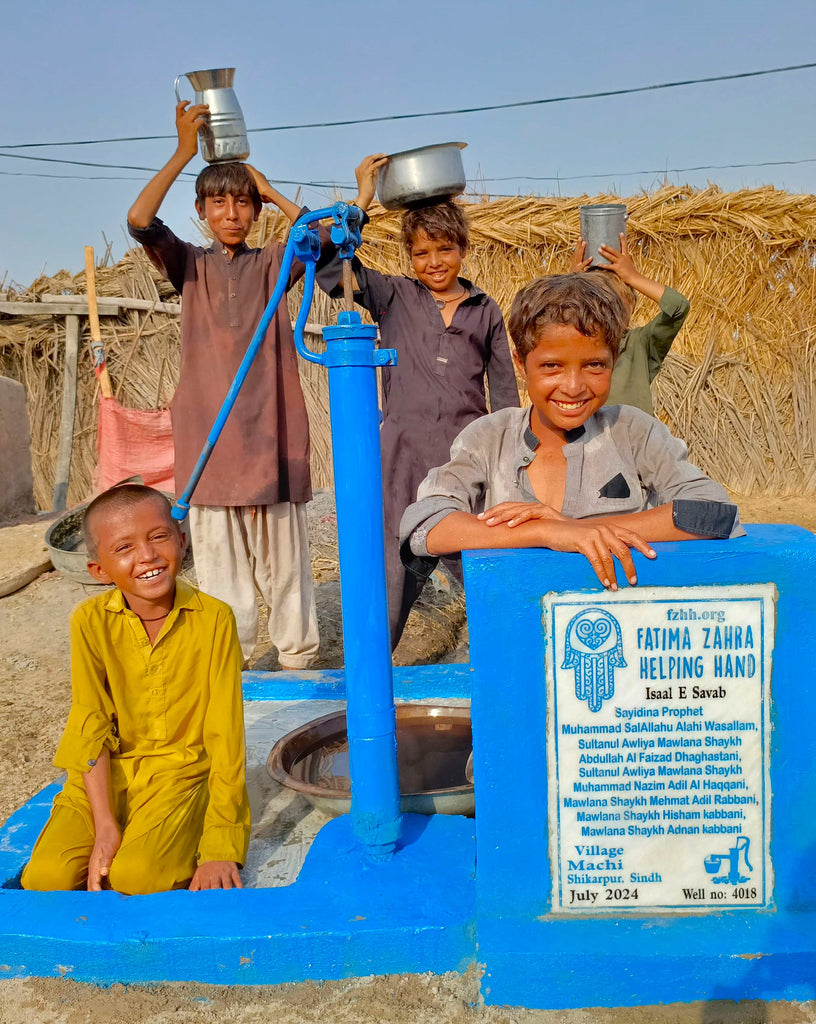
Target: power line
{"type": "Point", "coordinates": [346, 185]}
{"type": "Point", "coordinates": [70, 177]}
{"type": "Point", "coordinates": [447, 113]}
{"type": "Point", "coordinates": [153, 170]}
{"type": "Point", "coordinates": [85, 163]}
{"type": "Point", "coordinates": [659, 170]}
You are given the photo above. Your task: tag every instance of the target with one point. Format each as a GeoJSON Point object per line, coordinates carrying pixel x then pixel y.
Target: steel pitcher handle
{"type": "Point", "coordinates": [175, 85]}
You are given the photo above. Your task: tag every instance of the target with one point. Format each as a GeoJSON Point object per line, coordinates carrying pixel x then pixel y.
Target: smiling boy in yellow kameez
{"type": "Point", "coordinates": [154, 744]}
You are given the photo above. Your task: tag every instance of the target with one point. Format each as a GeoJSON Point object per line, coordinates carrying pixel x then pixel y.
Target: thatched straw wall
{"type": "Point", "coordinates": [142, 351]}
{"type": "Point", "coordinates": [738, 386]}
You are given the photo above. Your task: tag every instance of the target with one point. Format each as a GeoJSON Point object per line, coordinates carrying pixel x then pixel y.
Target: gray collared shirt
{"type": "Point", "coordinates": [620, 461]}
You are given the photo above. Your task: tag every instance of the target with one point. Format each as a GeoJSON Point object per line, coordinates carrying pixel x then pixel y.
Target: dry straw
{"type": "Point", "coordinates": [738, 385]}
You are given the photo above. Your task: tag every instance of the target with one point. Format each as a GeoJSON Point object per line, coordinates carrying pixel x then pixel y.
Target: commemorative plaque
{"type": "Point", "coordinates": [658, 738]}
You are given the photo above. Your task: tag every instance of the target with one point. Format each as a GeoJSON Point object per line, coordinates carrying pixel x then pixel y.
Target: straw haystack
{"type": "Point", "coordinates": [738, 386]}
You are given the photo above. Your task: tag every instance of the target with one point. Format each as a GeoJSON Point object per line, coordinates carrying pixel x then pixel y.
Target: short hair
{"type": "Point", "coordinates": [117, 497]}
{"type": "Point", "coordinates": [438, 220]}
{"type": "Point", "coordinates": [575, 300]}
{"type": "Point", "coordinates": [608, 277]}
{"type": "Point", "coordinates": [227, 179]}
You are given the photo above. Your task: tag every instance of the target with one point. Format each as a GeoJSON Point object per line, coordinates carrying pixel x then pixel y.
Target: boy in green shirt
{"type": "Point", "coordinates": [642, 349]}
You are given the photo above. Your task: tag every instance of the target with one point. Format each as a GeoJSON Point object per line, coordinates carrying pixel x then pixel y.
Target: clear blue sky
{"type": "Point", "coordinates": [95, 70]}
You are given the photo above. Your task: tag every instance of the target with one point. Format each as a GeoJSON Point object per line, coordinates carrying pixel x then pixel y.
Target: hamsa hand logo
{"type": "Point", "coordinates": [593, 648]}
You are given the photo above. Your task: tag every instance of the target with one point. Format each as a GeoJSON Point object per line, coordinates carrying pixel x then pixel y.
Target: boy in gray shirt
{"type": "Point", "coordinates": [567, 474]}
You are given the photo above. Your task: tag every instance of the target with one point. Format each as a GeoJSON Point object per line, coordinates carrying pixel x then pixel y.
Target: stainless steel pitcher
{"type": "Point", "coordinates": [225, 136]}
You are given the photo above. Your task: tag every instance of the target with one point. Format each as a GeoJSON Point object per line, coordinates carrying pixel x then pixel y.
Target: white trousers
{"type": "Point", "coordinates": [237, 548]}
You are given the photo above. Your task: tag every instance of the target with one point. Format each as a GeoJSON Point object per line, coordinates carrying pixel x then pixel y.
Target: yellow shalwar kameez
{"type": "Point", "coordinates": [172, 717]}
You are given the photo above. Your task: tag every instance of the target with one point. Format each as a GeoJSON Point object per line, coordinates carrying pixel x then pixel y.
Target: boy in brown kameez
{"type": "Point", "coordinates": [248, 517]}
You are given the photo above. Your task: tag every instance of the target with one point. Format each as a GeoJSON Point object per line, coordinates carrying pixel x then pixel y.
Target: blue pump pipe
{"type": "Point", "coordinates": [352, 361]}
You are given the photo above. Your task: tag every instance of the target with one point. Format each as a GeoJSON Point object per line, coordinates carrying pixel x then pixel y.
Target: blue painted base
{"type": "Point", "coordinates": [566, 964]}
{"type": "Point", "coordinates": [344, 917]}
{"type": "Point", "coordinates": [413, 683]}
{"type": "Point", "coordinates": [542, 960]}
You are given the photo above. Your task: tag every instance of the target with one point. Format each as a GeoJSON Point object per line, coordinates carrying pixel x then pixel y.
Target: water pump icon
{"type": "Point", "coordinates": [736, 855]}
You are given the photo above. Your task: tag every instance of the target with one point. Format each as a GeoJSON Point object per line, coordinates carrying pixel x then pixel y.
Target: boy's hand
{"type": "Point", "coordinates": [108, 840]}
{"type": "Point", "coordinates": [265, 190]}
{"type": "Point", "coordinates": [188, 121]}
{"type": "Point", "coordinates": [366, 175]}
{"type": "Point", "coordinates": [216, 874]}
{"type": "Point", "coordinates": [601, 544]}
{"type": "Point", "coordinates": [580, 261]}
{"type": "Point", "coordinates": [269, 194]}
{"type": "Point", "coordinates": [621, 262]}
{"type": "Point", "coordinates": [513, 513]}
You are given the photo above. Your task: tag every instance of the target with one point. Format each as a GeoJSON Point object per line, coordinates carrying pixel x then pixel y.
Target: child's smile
{"type": "Point", "coordinates": [436, 262]}
{"type": "Point", "coordinates": [140, 550]}
{"type": "Point", "coordinates": [568, 377]}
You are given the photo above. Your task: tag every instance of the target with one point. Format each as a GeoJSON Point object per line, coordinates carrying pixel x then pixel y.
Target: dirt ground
{"type": "Point", "coordinates": [33, 705]}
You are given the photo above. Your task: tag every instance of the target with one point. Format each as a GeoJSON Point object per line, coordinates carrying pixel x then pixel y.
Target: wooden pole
{"type": "Point", "coordinates": [348, 285]}
{"type": "Point", "coordinates": [66, 433]}
{"type": "Point", "coordinates": [99, 363]}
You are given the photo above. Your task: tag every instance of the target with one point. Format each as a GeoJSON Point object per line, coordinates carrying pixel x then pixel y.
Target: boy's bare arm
{"type": "Point", "coordinates": [653, 524]}
{"type": "Point", "coordinates": [188, 121]}
{"type": "Point", "coordinates": [366, 175]}
{"type": "Point", "coordinates": [106, 829]}
{"type": "Point", "coordinates": [622, 264]}
{"type": "Point", "coordinates": [268, 194]}
{"type": "Point", "coordinates": [600, 541]}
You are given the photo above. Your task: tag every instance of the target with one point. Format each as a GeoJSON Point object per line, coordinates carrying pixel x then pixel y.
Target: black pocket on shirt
{"type": "Point", "coordinates": [617, 487]}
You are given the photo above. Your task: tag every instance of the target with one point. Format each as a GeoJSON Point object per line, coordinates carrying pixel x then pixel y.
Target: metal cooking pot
{"type": "Point", "coordinates": [426, 174]}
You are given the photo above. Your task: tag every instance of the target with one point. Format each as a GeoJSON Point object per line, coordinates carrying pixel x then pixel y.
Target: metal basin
{"type": "Point", "coordinates": [433, 746]}
{"type": "Point", "coordinates": [66, 545]}
{"type": "Point", "coordinates": [418, 176]}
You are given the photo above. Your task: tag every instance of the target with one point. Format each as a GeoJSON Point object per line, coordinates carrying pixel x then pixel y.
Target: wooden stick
{"type": "Point", "coordinates": [67, 306]}
{"type": "Point", "coordinates": [66, 432]}
{"type": "Point", "coordinates": [123, 301]}
{"type": "Point", "coordinates": [348, 286]}
{"type": "Point", "coordinates": [99, 363]}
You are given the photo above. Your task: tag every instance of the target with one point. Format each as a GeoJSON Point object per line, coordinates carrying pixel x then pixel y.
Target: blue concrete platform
{"type": "Point", "coordinates": [344, 916]}
{"type": "Point", "coordinates": [419, 682]}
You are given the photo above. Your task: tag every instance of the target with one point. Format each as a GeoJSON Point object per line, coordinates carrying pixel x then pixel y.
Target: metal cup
{"type": "Point", "coordinates": [602, 224]}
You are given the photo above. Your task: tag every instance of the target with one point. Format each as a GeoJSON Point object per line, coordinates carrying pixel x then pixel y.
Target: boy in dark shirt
{"type": "Point", "coordinates": [448, 334]}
